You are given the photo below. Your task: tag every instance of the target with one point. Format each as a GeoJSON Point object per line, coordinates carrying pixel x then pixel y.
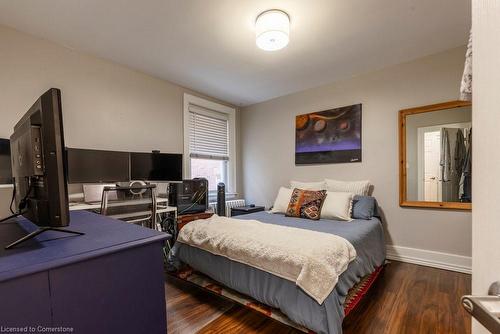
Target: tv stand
{"type": "Point", "coordinates": [40, 231]}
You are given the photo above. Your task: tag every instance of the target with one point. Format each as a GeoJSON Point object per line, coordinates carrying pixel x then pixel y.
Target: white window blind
{"type": "Point", "coordinates": [208, 134]}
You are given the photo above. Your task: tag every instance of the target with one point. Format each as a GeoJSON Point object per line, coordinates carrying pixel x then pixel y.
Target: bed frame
{"type": "Point", "coordinates": [354, 296]}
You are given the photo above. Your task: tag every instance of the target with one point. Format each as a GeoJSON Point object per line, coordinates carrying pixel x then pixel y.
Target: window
{"type": "Point", "coordinates": [209, 142]}
{"type": "Point", "coordinates": [213, 170]}
{"type": "Point", "coordinates": [208, 145]}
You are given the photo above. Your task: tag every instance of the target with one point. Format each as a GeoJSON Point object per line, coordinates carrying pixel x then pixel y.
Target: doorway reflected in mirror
{"type": "Point", "coordinates": [436, 158]}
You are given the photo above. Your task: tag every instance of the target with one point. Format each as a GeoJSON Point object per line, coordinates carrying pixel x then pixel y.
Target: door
{"type": "Point", "coordinates": [486, 156]}
{"type": "Point", "coordinates": [432, 154]}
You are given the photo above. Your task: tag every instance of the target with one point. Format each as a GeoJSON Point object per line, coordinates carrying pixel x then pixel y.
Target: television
{"type": "Point", "coordinates": [38, 167]}
{"type": "Point", "coordinates": [97, 166]}
{"type": "Point", "coordinates": [166, 167]}
{"type": "Point", "coordinates": [5, 164]}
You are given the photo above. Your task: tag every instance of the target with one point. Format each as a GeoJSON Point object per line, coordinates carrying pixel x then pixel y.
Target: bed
{"type": "Point", "coordinates": [366, 236]}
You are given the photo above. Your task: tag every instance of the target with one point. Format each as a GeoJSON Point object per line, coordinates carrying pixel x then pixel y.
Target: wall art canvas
{"type": "Point", "coordinates": [329, 136]}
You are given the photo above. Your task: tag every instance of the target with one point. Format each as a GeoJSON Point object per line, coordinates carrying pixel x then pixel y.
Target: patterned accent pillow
{"type": "Point", "coordinates": [306, 204]}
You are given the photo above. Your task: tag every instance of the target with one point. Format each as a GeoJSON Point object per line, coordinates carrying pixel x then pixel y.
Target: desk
{"type": "Point", "coordinates": [110, 280]}
{"type": "Point", "coordinates": [159, 210]}
{"type": "Point", "coordinates": [75, 206]}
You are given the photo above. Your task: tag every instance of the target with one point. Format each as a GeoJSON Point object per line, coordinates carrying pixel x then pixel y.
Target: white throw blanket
{"type": "Point", "coordinates": [313, 260]}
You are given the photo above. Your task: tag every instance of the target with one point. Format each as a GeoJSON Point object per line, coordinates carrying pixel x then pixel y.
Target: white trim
{"type": "Point", "coordinates": [453, 262]}
{"type": "Point", "coordinates": [420, 163]}
{"type": "Point", "coordinates": [5, 186]}
{"type": "Point", "coordinates": [231, 112]}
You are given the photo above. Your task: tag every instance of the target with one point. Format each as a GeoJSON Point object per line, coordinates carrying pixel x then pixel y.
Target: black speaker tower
{"type": "Point", "coordinates": [221, 199]}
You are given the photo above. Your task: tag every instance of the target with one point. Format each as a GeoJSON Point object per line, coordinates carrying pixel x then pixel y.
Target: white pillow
{"type": "Point", "coordinates": [337, 205]}
{"type": "Point", "coordinates": [282, 200]}
{"type": "Point", "coordinates": [356, 187]}
{"type": "Point", "coordinates": [320, 185]}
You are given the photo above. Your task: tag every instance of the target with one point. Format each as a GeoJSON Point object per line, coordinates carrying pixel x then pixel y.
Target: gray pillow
{"type": "Point", "coordinates": [364, 207]}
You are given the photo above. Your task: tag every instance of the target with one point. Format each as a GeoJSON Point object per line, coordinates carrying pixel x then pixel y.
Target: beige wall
{"type": "Point", "coordinates": [109, 106]}
{"type": "Point", "coordinates": [105, 105]}
{"type": "Point", "coordinates": [486, 121]}
{"type": "Point", "coordinates": [268, 145]}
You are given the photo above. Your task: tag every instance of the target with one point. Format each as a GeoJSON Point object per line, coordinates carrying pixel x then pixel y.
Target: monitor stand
{"type": "Point", "coordinates": [40, 231]}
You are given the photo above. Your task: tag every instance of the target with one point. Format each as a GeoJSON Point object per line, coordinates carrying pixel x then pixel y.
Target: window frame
{"type": "Point", "coordinates": [217, 107]}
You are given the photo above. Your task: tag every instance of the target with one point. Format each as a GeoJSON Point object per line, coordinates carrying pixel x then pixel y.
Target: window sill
{"type": "Point", "coordinates": [212, 197]}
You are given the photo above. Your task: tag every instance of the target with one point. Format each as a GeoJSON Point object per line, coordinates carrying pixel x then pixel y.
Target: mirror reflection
{"type": "Point", "coordinates": [439, 156]}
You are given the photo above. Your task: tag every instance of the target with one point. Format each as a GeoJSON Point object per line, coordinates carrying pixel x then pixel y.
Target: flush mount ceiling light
{"type": "Point", "coordinates": [272, 30]}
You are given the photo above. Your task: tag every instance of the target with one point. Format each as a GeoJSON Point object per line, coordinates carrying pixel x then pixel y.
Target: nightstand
{"type": "Point", "coordinates": [245, 210]}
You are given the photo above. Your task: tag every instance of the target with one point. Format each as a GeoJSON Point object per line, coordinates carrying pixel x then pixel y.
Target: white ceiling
{"type": "Point", "coordinates": [209, 45]}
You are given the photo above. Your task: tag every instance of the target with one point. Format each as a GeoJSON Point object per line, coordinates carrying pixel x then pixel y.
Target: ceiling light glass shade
{"type": "Point", "coordinates": [272, 30]}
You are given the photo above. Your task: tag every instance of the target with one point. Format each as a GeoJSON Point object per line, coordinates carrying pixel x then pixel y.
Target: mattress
{"type": "Point", "coordinates": [366, 236]}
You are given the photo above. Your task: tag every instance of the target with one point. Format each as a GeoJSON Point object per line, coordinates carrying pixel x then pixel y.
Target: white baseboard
{"type": "Point", "coordinates": [462, 264]}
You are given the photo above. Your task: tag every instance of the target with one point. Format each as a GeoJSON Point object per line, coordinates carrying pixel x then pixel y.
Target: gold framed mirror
{"type": "Point", "coordinates": [435, 157]}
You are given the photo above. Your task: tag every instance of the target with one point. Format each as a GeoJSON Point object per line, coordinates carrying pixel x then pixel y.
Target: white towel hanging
{"type": "Point", "coordinates": [466, 86]}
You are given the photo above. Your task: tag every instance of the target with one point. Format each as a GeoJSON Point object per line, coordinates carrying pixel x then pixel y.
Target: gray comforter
{"type": "Point", "coordinates": [365, 235]}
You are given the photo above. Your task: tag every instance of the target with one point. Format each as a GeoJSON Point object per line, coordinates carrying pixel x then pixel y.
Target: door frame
{"type": "Point", "coordinates": [421, 157]}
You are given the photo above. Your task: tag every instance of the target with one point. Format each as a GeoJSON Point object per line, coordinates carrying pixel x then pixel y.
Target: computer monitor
{"type": "Point", "coordinates": [97, 166]}
{"type": "Point", "coordinates": [38, 169]}
{"type": "Point", "coordinates": [166, 167]}
{"type": "Point", "coordinates": [5, 164]}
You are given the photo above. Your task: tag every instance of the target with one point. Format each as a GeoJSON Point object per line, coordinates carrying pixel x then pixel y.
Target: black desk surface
{"type": "Point", "coordinates": [51, 249]}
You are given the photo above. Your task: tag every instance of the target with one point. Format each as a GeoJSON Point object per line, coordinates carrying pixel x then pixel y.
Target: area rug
{"type": "Point", "coordinates": [353, 298]}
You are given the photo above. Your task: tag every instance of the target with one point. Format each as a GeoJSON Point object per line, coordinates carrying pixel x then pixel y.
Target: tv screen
{"type": "Point", "coordinates": [5, 164]}
{"type": "Point", "coordinates": [156, 167]}
{"type": "Point", "coordinates": [97, 166]}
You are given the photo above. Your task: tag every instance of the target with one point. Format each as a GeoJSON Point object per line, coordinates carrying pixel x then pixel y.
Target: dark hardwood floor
{"type": "Point", "coordinates": [413, 299]}
{"type": "Point", "coordinates": [406, 298]}
{"type": "Point", "coordinates": [190, 308]}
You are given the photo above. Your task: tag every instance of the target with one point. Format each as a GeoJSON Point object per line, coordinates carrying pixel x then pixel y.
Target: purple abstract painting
{"type": "Point", "coordinates": [329, 136]}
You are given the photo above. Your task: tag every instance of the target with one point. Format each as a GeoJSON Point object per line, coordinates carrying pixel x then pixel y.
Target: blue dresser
{"type": "Point", "coordinates": [110, 280]}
